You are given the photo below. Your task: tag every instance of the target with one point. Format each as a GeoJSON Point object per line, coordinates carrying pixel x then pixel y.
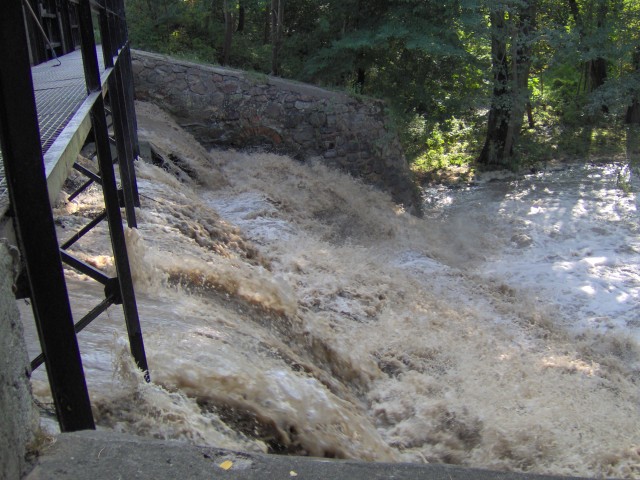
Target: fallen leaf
{"type": "Point", "coordinates": [293, 474]}
{"type": "Point", "coordinates": [226, 465]}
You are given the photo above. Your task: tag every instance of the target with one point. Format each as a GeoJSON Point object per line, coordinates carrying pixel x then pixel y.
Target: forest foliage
{"type": "Point", "coordinates": [496, 84]}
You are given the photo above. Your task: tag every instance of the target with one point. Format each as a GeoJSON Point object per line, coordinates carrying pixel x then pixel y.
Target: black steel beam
{"type": "Point", "coordinates": [33, 220]}
{"type": "Point", "coordinates": [82, 188]}
{"type": "Point", "coordinates": [67, 36]}
{"type": "Point", "coordinates": [108, 42]}
{"type": "Point", "coordinates": [88, 173]}
{"type": "Point", "coordinates": [130, 96]}
{"type": "Point", "coordinates": [36, 42]}
{"type": "Point", "coordinates": [125, 80]}
{"type": "Point", "coordinates": [84, 230]}
{"type": "Point", "coordinates": [93, 314]}
{"type": "Point", "coordinates": [127, 73]}
{"type": "Point", "coordinates": [88, 47]}
{"type": "Point", "coordinates": [118, 242]}
{"type": "Point", "coordinates": [84, 268]}
{"type": "Point", "coordinates": [120, 118]}
{"type": "Point", "coordinates": [123, 145]}
{"type": "Point", "coordinates": [81, 325]}
{"type": "Point", "coordinates": [114, 218]}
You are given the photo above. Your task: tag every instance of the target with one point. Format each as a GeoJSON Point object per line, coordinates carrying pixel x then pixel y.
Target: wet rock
{"type": "Point", "coordinates": [522, 240]}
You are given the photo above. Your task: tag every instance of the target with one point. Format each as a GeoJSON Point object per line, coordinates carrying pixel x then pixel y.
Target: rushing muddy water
{"type": "Point", "coordinates": [288, 308]}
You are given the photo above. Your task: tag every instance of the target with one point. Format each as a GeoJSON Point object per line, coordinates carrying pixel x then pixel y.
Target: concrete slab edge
{"type": "Point", "coordinates": [98, 455]}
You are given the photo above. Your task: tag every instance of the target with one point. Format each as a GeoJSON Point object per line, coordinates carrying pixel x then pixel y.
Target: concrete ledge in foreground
{"type": "Point", "coordinates": [98, 455]}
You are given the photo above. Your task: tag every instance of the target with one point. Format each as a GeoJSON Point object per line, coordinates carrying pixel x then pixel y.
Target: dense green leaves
{"type": "Point", "coordinates": [576, 62]}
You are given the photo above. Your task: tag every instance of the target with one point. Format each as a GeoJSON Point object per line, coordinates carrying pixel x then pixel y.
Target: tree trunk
{"type": "Point", "coordinates": [597, 74]}
{"type": "Point", "coordinates": [632, 116]}
{"type": "Point", "coordinates": [229, 27]}
{"type": "Point", "coordinates": [598, 66]}
{"type": "Point", "coordinates": [241, 16]}
{"type": "Point", "coordinates": [510, 90]}
{"type": "Point", "coordinates": [595, 70]}
{"type": "Point", "coordinates": [277, 15]}
{"type": "Point", "coordinates": [632, 119]}
{"type": "Point", "coordinates": [633, 113]}
{"type": "Point", "coordinates": [266, 34]}
{"type": "Point", "coordinates": [361, 76]}
{"type": "Point", "coordinates": [493, 152]}
{"type": "Point", "coordinates": [575, 13]}
{"type": "Point", "coordinates": [532, 123]}
{"type": "Point", "coordinates": [521, 67]}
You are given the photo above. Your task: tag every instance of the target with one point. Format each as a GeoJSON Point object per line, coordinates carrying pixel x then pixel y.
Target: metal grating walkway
{"type": "Point", "coordinates": [59, 90]}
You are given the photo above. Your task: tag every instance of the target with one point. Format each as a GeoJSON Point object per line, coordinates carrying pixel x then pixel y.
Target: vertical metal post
{"type": "Point", "coordinates": [128, 78]}
{"type": "Point", "coordinates": [124, 145]}
{"type": "Point", "coordinates": [65, 27]}
{"type": "Point", "coordinates": [114, 218]}
{"type": "Point", "coordinates": [113, 36]}
{"type": "Point", "coordinates": [24, 170]}
{"type": "Point", "coordinates": [39, 51]}
{"type": "Point", "coordinates": [108, 49]}
{"type": "Point", "coordinates": [120, 117]}
{"type": "Point", "coordinates": [125, 77]}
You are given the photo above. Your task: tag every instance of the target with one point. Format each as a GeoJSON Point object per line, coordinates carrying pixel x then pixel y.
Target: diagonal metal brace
{"type": "Point", "coordinates": [78, 327]}
{"type": "Point", "coordinates": [84, 186]}
{"type": "Point", "coordinates": [85, 268]}
{"type": "Point", "coordinates": [84, 230]}
{"type": "Point", "coordinates": [88, 173]}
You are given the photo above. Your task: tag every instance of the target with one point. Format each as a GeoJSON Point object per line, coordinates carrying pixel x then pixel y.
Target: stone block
{"type": "Point", "coordinates": [230, 87]}
{"type": "Point", "coordinates": [317, 119]}
{"type": "Point", "coordinates": [299, 105]}
{"type": "Point", "coordinates": [196, 85]}
{"type": "Point", "coordinates": [273, 110]}
{"type": "Point", "coordinates": [216, 99]}
{"type": "Point", "coordinates": [304, 135]}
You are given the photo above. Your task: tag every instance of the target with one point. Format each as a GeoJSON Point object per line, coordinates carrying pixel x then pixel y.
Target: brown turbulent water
{"type": "Point", "coordinates": [289, 308]}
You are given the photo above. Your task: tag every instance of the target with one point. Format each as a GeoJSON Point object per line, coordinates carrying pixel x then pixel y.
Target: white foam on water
{"type": "Point", "coordinates": [290, 308]}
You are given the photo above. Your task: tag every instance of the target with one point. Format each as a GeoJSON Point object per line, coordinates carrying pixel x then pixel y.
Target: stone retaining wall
{"type": "Point", "coordinates": [231, 108]}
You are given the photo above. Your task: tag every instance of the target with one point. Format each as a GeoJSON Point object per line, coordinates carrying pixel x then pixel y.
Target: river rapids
{"type": "Point", "coordinates": [288, 308]}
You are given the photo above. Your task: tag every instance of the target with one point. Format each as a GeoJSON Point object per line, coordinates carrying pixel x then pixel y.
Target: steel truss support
{"type": "Point", "coordinates": [33, 222]}
{"type": "Point", "coordinates": [109, 187]}
{"type": "Point", "coordinates": [78, 327]}
{"type": "Point", "coordinates": [121, 122]}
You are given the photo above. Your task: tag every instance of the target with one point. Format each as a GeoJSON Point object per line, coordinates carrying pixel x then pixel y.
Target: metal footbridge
{"type": "Point", "coordinates": [48, 113]}
{"type": "Point", "coordinates": [60, 90]}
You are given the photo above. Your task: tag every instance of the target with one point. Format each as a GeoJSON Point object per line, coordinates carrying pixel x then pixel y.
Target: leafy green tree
{"type": "Point", "coordinates": [441, 65]}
